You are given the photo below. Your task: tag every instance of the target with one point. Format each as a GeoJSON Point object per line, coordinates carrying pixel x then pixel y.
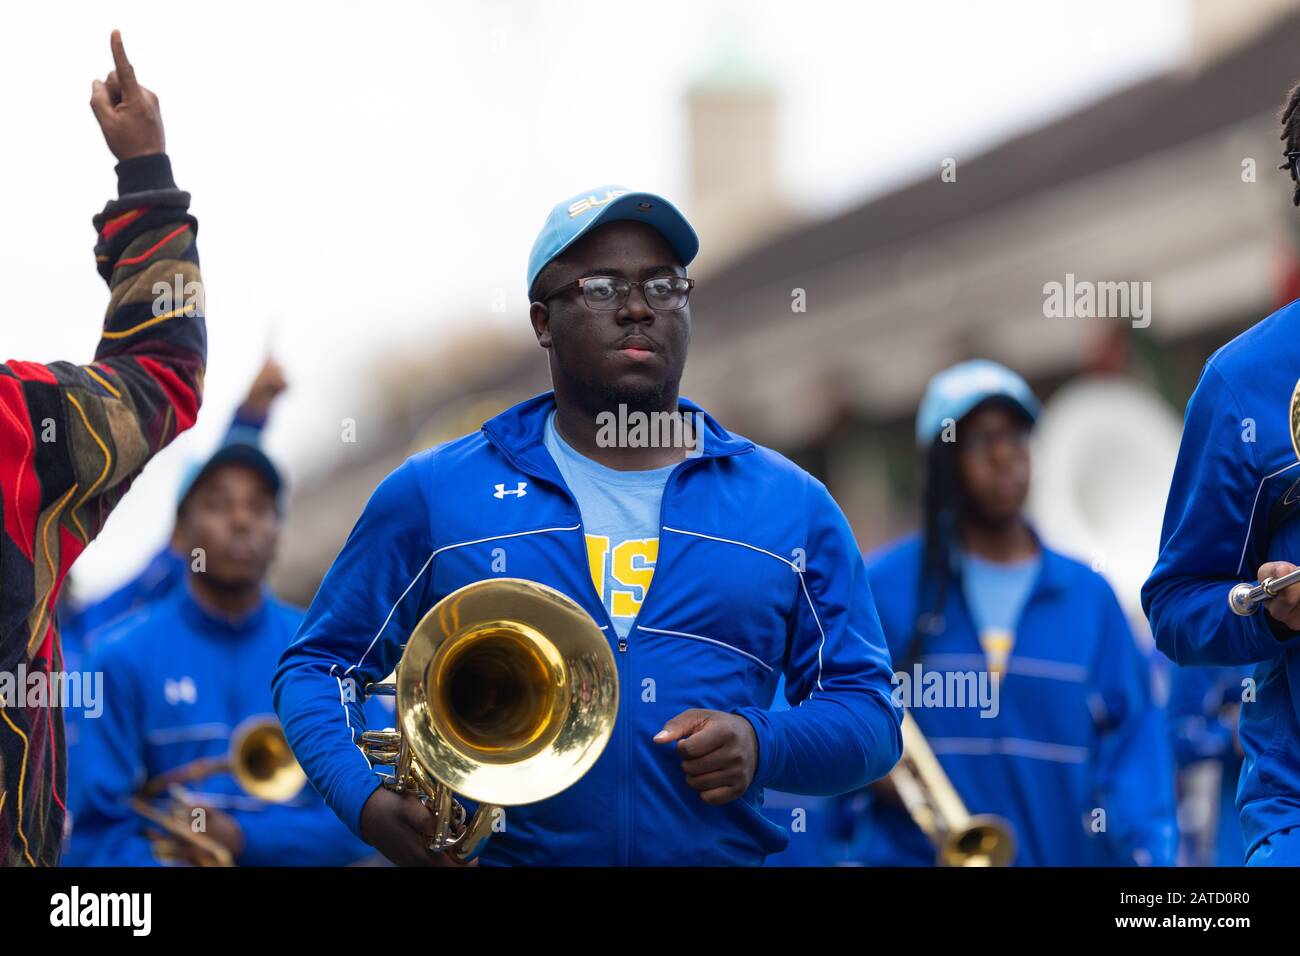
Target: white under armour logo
{"type": "Point", "coordinates": [517, 492]}
{"type": "Point", "coordinates": [180, 691]}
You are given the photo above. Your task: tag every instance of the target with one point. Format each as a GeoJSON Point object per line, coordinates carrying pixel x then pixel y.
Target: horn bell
{"type": "Point", "coordinates": [507, 691]}
{"type": "Point", "coordinates": [262, 762]}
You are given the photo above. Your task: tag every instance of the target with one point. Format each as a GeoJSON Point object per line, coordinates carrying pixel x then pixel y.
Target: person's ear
{"type": "Point", "coordinates": [178, 538]}
{"type": "Point", "coordinates": [540, 316]}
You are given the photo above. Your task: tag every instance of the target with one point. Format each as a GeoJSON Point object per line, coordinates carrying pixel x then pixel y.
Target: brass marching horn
{"type": "Point", "coordinates": [507, 692]}
{"type": "Point", "coordinates": [959, 838]}
{"type": "Point", "coordinates": [260, 760]}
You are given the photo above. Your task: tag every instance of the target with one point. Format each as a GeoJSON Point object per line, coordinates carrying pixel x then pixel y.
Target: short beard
{"type": "Point", "coordinates": [636, 399]}
{"type": "Point", "coordinates": [596, 397]}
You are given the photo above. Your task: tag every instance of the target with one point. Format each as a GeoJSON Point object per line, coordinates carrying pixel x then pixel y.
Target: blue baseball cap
{"type": "Point", "coordinates": [955, 391]}
{"type": "Point", "coordinates": [574, 217]}
{"type": "Point", "coordinates": [237, 453]}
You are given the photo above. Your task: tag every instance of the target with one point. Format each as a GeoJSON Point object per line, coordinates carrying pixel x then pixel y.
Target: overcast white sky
{"type": "Point", "coordinates": [366, 174]}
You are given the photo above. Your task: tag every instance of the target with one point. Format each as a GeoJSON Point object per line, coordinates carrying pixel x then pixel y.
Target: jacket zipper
{"type": "Point", "coordinates": [625, 772]}
{"type": "Point", "coordinates": [620, 727]}
{"type": "Point", "coordinates": [623, 646]}
{"type": "Point", "coordinates": [663, 500]}
{"type": "Point", "coordinates": [624, 665]}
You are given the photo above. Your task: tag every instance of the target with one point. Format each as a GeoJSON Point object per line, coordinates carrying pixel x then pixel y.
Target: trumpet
{"type": "Point", "coordinates": [1245, 599]}
{"type": "Point", "coordinates": [959, 838]}
{"type": "Point", "coordinates": [260, 760]}
{"type": "Point", "coordinates": [507, 693]}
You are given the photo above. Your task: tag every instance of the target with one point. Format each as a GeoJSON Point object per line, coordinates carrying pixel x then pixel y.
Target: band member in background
{"type": "Point", "coordinates": [1067, 745]}
{"type": "Point", "coordinates": [754, 569]}
{"type": "Point", "coordinates": [1230, 516]}
{"type": "Point", "coordinates": [1204, 707]}
{"type": "Point", "coordinates": [73, 437]}
{"type": "Point", "coordinates": [166, 570]}
{"type": "Point", "coordinates": [185, 671]}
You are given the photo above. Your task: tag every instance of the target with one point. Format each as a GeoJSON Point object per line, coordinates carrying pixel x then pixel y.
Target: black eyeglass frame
{"type": "Point", "coordinates": [581, 284]}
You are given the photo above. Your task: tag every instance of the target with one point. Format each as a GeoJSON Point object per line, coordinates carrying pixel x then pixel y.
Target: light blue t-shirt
{"type": "Point", "coordinates": [620, 515]}
{"type": "Point", "coordinates": [996, 594]}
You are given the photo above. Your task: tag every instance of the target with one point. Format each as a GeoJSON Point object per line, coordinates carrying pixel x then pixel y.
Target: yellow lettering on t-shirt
{"type": "Point", "coordinates": [629, 572]}
{"type": "Point", "coordinates": [597, 548]}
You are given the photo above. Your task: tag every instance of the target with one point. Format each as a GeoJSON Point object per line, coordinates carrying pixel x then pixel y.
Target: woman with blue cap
{"type": "Point", "coordinates": [1016, 662]}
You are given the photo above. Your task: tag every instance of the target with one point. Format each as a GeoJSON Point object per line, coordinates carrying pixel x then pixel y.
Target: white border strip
{"type": "Point", "coordinates": [1253, 508]}
{"type": "Point", "coordinates": [802, 584]}
{"type": "Point", "coordinates": [425, 567]}
{"type": "Point", "coordinates": [709, 640]}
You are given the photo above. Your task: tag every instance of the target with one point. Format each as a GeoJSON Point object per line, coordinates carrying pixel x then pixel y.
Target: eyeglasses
{"type": "Point", "coordinates": [982, 442]}
{"type": "Point", "coordinates": [609, 293]}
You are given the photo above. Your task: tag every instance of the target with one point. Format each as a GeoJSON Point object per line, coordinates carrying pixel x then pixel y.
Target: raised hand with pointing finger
{"type": "Point", "coordinates": [127, 113]}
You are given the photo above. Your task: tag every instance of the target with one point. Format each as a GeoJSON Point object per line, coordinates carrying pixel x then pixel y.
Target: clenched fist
{"type": "Point", "coordinates": [127, 113]}
{"type": "Point", "coordinates": [719, 752]}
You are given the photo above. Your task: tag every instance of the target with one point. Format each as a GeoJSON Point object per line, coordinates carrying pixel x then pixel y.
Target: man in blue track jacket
{"type": "Point", "coordinates": [755, 574]}
{"type": "Point", "coordinates": [181, 674]}
{"type": "Point", "coordinates": [1228, 520]}
{"type": "Point", "coordinates": [1231, 517]}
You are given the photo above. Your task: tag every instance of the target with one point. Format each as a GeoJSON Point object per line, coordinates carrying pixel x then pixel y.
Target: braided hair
{"type": "Point", "coordinates": [940, 507]}
{"type": "Point", "coordinates": [945, 498]}
{"type": "Point", "coordinates": [1291, 139]}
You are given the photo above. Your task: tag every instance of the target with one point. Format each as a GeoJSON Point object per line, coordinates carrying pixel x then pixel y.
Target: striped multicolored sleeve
{"type": "Point", "coordinates": [73, 438]}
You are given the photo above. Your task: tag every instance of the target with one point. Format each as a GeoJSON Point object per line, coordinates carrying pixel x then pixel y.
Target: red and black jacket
{"type": "Point", "coordinates": [72, 439]}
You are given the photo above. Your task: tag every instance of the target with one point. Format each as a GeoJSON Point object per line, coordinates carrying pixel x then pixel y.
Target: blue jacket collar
{"type": "Point", "coordinates": [519, 432]}
{"type": "Point", "coordinates": [210, 622]}
{"type": "Point", "coordinates": [1053, 570]}
{"type": "Point", "coordinates": [1053, 578]}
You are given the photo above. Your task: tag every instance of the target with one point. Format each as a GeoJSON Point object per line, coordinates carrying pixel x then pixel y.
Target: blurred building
{"type": "Point", "coordinates": [735, 201]}
{"type": "Point", "coordinates": [817, 338]}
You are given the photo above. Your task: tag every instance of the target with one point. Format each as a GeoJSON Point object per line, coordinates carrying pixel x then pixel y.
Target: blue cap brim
{"type": "Point", "coordinates": [236, 453]}
{"type": "Point", "coordinates": [956, 391]}
{"type": "Point", "coordinates": [654, 211]}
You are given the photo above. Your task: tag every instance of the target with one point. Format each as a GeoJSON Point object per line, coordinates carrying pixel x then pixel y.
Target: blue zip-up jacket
{"type": "Point", "coordinates": [177, 681]}
{"type": "Point", "coordinates": [1229, 511]}
{"type": "Point", "coordinates": [1077, 758]}
{"type": "Point", "coordinates": [757, 574]}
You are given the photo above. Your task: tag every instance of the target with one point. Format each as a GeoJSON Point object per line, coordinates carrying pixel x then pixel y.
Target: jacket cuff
{"type": "Point", "coordinates": [144, 173]}
{"type": "Point", "coordinates": [766, 738]}
{"type": "Point", "coordinates": [349, 801]}
{"type": "Point", "coordinates": [249, 418]}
